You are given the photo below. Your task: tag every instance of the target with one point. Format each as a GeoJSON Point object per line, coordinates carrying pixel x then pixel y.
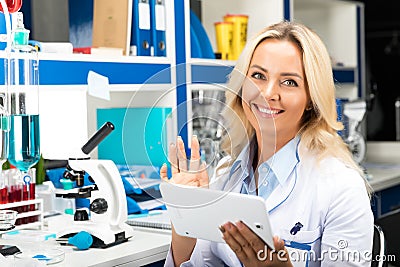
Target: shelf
{"type": "Point", "coordinates": [75, 72]}
{"type": "Point", "coordinates": [217, 72]}
{"type": "Point", "coordinates": [345, 75]}
{"type": "Point", "coordinates": [72, 69]}
{"type": "Point", "coordinates": [123, 73]}
{"type": "Point", "coordinates": [210, 73]}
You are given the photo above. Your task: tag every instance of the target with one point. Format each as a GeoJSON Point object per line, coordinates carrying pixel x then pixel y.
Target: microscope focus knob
{"type": "Point", "coordinates": [81, 215]}
{"type": "Point", "coordinates": [99, 206]}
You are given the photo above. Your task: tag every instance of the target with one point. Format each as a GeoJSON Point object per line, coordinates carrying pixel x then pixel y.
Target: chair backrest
{"type": "Point", "coordinates": [390, 223]}
{"type": "Point", "coordinates": [378, 248]}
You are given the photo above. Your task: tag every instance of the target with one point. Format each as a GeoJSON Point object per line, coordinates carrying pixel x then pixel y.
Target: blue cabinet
{"type": "Point", "coordinates": [385, 201]}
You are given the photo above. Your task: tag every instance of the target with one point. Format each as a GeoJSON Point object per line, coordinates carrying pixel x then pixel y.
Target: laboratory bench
{"type": "Point", "coordinates": [383, 178]}
{"type": "Point", "coordinates": [385, 182]}
{"type": "Point", "coordinates": [145, 248]}
{"type": "Point", "coordinates": [149, 247]}
{"type": "Point", "coordinates": [383, 166]}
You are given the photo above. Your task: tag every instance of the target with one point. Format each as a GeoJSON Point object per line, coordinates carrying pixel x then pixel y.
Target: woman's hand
{"type": "Point", "coordinates": [251, 250]}
{"type": "Point", "coordinates": [195, 175]}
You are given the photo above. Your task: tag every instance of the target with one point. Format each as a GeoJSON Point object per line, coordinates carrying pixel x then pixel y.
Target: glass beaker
{"type": "Point", "coordinates": [23, 105]}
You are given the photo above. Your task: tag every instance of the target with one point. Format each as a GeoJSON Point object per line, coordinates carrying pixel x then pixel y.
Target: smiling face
{"type": "Point", "coordinates": [274, 95]}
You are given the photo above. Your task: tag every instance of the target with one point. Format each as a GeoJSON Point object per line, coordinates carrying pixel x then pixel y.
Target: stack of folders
{"type": "Point", "coordinates": [148, 28]}
{"type": "Point", "coordinates": [157, 219]}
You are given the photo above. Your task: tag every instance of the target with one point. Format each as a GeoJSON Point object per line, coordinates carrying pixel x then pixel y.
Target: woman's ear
{"type": "Point", "coordinates": [309, 106]}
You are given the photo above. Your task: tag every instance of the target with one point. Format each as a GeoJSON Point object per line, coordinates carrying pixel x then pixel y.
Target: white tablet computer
{"type": "Point", "coordinates": [198, 212]}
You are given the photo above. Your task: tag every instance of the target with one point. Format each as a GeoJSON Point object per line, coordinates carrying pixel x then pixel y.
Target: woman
{"type": "Point", "coordinates": [283, 145]}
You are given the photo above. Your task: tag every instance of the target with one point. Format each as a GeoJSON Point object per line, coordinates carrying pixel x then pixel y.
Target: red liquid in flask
{"type": "Point", "coordinates": [12, 5]}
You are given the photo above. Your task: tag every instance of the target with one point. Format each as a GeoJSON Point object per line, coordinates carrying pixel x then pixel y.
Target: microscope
{"type": "Point", "coordinates": [105, 220]}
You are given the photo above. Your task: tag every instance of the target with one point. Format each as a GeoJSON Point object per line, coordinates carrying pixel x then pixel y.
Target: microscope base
{"type": "Point", "coordinates": [104, 235]}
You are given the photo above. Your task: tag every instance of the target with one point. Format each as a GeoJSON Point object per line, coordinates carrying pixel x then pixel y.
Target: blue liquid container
{"type": "Point", "coordinates": [24, 141]}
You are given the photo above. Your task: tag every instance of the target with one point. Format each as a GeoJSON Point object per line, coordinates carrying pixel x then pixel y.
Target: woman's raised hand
{"type": "Point", "coordinates": [195, 175]}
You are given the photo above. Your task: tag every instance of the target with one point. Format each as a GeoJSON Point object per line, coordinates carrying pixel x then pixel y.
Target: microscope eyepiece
{"type": "Point", "coordinates": [102, 133]}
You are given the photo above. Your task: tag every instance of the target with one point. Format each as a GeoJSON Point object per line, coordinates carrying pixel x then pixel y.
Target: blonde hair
{"type": "Point", "coordinates": [319, 124]}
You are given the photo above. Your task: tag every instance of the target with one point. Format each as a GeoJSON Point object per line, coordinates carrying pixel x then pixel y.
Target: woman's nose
{"type": "Point", "coordinates": [270, 91]}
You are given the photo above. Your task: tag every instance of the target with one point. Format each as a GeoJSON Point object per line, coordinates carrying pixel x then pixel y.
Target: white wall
{"type": "Point", "coordinates": [63, 120]}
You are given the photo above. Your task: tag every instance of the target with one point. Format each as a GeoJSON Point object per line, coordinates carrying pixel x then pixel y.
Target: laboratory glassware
{"type": "Point", "coordinates": [7, 219]}
{"type": "Point", "coordinates": [12, 6]}
{"type": "Point", "coordinates": [23, 105]}
{"type": "Point", "coordinates": [3, 151]}
{"type": "Point", "coordinates": [6, 7]}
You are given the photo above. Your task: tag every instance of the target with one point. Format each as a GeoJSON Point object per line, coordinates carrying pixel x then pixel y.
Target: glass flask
{"type": "Point", "coordinates": [23, 104]}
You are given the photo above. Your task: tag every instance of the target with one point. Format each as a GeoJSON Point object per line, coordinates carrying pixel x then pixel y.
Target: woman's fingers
{"type": "Point", "coordinates": [196, 175]}
{"type": "Point", "coordinates": [203, 175]}
{"type": "Point", "coordinates": [173, 159]}
{"type": "Point", "coordinates": [237, 243]}
{"type": "Point", "coordinates": [195, 155]}
{"type": "Point", "coordinates": [164, 172]}
{"type": "Point", "coordinates": [256, 243]}
{"type": "Point", "coordinates": [181, 154]}
{"type": "Point", "coordinates": [282, 254]}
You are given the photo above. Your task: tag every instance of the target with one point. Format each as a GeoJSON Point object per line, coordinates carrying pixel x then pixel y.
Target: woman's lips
{"type": "Point", "coordinates": [267, 112]}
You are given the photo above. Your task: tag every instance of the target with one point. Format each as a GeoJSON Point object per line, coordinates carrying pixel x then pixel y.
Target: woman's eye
{"type": "Point", "coordinates": [290, 83]}
{"type": "Point", "coordinates": [258, 76]}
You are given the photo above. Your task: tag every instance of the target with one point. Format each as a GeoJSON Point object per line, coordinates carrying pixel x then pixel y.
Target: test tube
{"type": "Point", "coordinates": [3, 189]}
{"type": "Point", "coordinates": [4, 195]}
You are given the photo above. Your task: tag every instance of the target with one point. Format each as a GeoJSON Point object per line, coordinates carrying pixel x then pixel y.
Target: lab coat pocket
{"type": "Point", "coordinates": [302, 236]}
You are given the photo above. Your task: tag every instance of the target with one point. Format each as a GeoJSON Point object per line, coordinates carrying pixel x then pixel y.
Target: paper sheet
{"type": "Point", "coordinates": [98, 85]}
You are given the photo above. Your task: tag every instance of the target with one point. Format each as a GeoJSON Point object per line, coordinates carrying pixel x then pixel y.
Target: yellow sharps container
{"type": "Point", "coordinates": [223, 33]}
{"type": "Point", "coordinates": [239, 33]}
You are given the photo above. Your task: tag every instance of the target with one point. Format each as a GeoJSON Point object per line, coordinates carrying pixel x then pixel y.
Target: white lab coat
{"type": "Point", "coordinates": [329, 199]}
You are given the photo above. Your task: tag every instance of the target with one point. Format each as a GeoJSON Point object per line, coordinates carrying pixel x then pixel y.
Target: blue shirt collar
{"type": "Point", "coordinates": [285, 160]}
{"type": "Point", "coordinates": [282, 163]}
{"type": "Point", "coordinates": [242, 162]}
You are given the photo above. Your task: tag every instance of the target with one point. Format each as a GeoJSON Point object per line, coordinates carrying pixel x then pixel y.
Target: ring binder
{"type": "Point", "coordinates": [158, 26]}
{"type": "Point", "coordinates": [141, 41]}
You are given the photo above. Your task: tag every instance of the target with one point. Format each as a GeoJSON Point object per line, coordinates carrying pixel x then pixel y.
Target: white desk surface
{"type": "Point", "coordinates": [383, 177]}
{"type": "Point", "coordinates": [143, 248]}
